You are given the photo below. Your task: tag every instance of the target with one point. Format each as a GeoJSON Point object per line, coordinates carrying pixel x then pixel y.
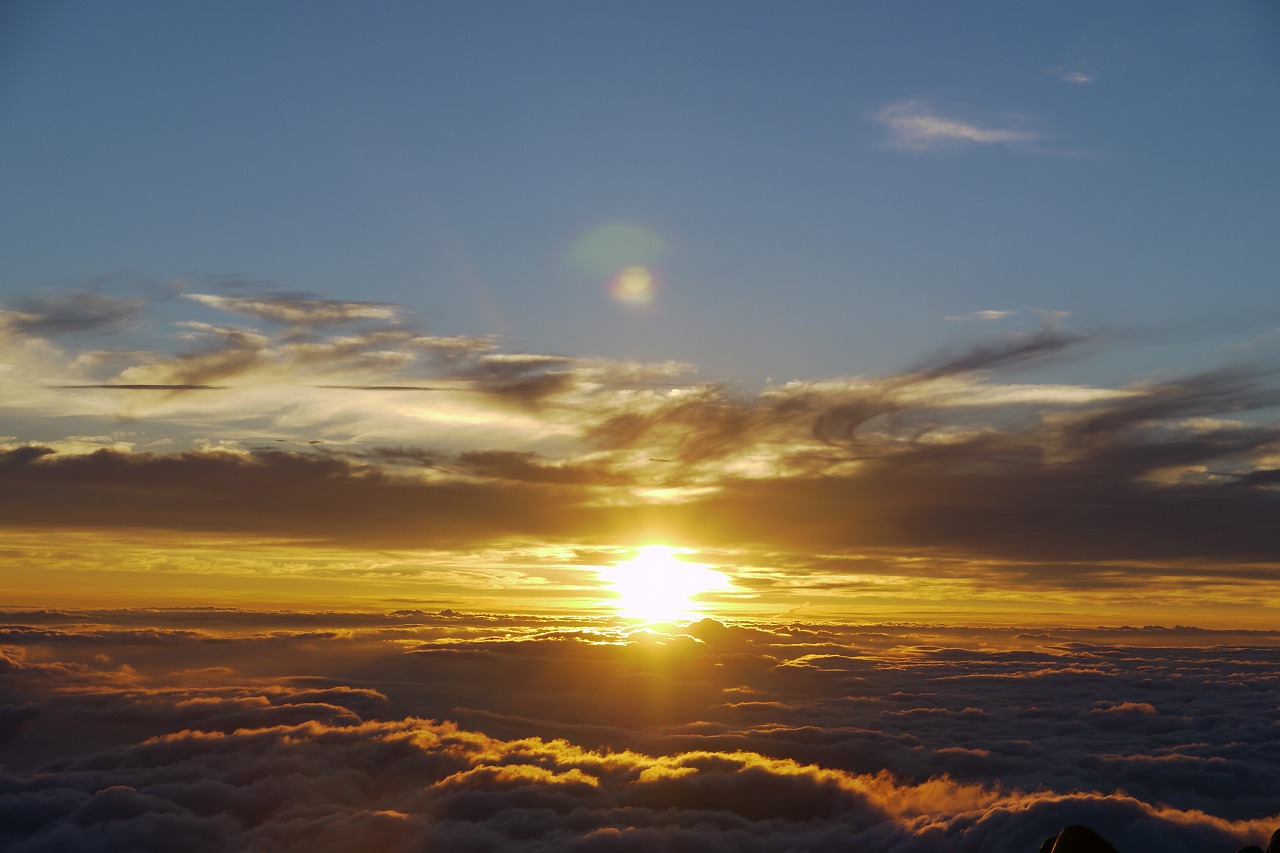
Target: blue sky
{"type": "Point", "coordinates": [825, 182]}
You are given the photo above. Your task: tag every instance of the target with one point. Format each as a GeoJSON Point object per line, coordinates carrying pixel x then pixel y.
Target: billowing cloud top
{"type": "Point", "coordinates": [202, 729]}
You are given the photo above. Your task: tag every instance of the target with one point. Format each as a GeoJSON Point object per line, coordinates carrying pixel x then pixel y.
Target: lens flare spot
{"type": "Point", "coordinates": [633, 286]}
{"type": "Point", "coordinates": [606, 249]}
{"type": "Point", "coordinates": [658, 586]}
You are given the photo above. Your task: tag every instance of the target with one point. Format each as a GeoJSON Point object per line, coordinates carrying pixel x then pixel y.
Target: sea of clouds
{"type": "Point", "coordinates": [215, 730]}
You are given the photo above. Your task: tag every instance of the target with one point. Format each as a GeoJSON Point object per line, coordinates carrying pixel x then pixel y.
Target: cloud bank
{"type": "Point", "coordinates": [336, 427]}
{"type": "Point", "coordinates": [215, 730]}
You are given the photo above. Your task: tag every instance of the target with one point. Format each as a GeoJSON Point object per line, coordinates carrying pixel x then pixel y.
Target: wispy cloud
{"type": "Point", "coordinates": [1015, 348]}
{"type": "Point", "coordinates": [79, 311]}
{"type": "Point", "coordinates": [979, 315]}
{"type": "Point", "coordinates": [1077, 77]}
{"type": "Point", "coordinates": [1068, 73]}
{"type": "Point", "coordinates": [915, 126]}
{"type": "Point", "coordinates": [298, 309]}
{"type": "Point", "coordinates": [402, 439]}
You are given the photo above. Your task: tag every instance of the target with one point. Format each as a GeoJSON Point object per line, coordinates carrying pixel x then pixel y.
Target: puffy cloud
{"type": "Point", "coordinates": [910, 736]}
{"type": "Point", "coordinates": [413, 783]}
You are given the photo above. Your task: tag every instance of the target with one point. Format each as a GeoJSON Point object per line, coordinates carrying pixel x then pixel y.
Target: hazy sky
{"type": "Point", "coordinates": [879, 310]}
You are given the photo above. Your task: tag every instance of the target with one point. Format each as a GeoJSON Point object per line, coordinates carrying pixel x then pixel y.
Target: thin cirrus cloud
{"type": "Point", "coordinates": [1075, 76]}
{"type": "Point", "coordinates": [1079, 78]}
{"type": "Point", "coordinates": [298, 309]}
{"type": "Point", "coordinates": [989, 314]}
{"type": "Point", "coordinates": [915, 126]}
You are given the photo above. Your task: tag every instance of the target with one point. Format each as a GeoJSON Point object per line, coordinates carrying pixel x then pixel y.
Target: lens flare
{"type": "Point", "coordinates": [608, 248]}
{"type": "Point", "coordinates": [633, 286]}
{"type": "Point", "coordinates": [657, 586]}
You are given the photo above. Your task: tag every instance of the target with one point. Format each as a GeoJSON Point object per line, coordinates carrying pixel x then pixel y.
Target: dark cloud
{"type": "Point", "coordinates": [224, 355]}
{"type": "Point", "coordinates": [72, 312]}
{"type": "Point", "coordinates": [1068, 520]}
{"type": "Point", "coordinates": [12, 720]}
{"type": "Point", "coordinates": [1220, 392]}
{"type": "Point", "coordinates": [1014, 349]}
{"type": "Point", "coordinates": [982, 499]}
{"type": "Point", "coordinates": [289, 494]}
{"type": "Point", "coordinates": [533, 468]}
{"type": "Point", "coordinates": [377, 349]}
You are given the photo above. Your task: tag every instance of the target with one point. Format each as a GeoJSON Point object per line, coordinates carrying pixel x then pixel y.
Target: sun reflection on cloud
{"type": "Point", "coordinates": [656, 585]}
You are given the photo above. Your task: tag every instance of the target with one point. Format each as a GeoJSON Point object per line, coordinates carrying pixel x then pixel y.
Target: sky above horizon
{"type": "Point", "coordinates": [829, 183]}
{"type": "Point", "coordinates": [925, 313]}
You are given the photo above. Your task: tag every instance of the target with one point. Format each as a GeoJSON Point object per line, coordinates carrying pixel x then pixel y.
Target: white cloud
{"type": "Point", "coordinates": [979, 315]}
{"type": "Point", "coordinates": [293, 309]}
{"type": "Point", "coordinates": [913, 125]}
{"type": "Point", "coordinates": [1079, 78]}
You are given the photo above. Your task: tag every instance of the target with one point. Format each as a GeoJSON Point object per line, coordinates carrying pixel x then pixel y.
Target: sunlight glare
{"type": "Point", "coordinates": [658, 586]}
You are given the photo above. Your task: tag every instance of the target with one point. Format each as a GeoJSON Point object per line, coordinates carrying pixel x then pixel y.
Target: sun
{"type": "Point", "coordinates": [657, 586]}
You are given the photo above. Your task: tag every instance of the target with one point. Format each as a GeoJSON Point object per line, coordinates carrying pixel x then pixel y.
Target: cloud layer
{"type": "Point", "coordinates": [340, 426]}
{"type": "Point", "coordinates": [142, 730]}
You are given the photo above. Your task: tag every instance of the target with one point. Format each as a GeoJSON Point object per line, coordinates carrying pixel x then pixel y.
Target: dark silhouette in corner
{"type": "Point", "coordinates": [1082, 839]}
{"type": "Point", "coordinates": [1077, 839]}
{"type": "Point", "coordinates": [1273, 846]}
